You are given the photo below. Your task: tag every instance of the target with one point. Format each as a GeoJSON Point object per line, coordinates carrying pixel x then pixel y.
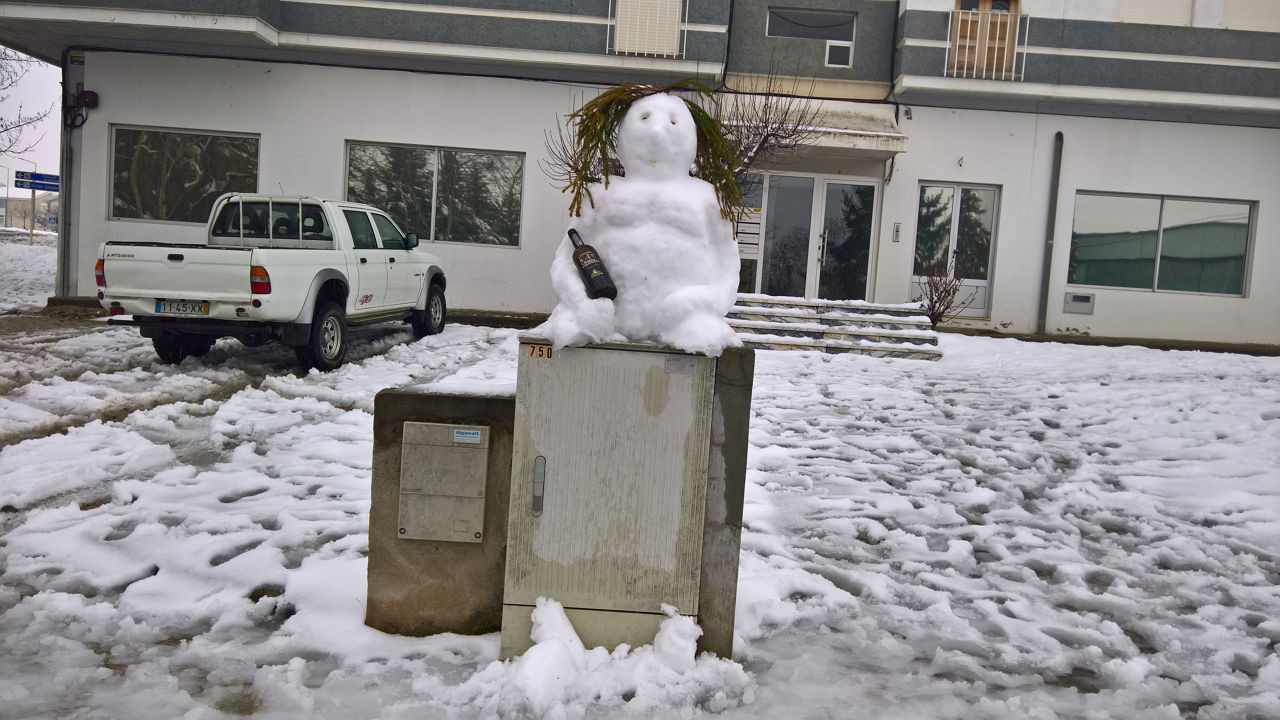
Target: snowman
{"type": "Point", "coordinates": [662, 237]}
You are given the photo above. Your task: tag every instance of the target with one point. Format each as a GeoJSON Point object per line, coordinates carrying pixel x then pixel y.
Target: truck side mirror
{"type": "Point", "coordinates": [411, 241]}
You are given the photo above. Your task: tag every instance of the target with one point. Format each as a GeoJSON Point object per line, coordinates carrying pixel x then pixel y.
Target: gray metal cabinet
{"type": "Point", "coordinates": [608, 488]}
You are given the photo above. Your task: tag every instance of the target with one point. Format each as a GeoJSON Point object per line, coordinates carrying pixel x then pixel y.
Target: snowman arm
{"type": "Point", "coordinates": [724, 247]}
{"type": "Point", "coordinates": [565, 278]}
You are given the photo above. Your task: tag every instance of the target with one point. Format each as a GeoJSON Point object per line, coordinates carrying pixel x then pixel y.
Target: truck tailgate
{"type": "Point", "coordinates": [179, 272]}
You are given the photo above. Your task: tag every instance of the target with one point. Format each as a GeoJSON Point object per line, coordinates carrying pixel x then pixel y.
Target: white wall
{"type": "Point", "coordinates": [304, 115]}
{"type": "Point", "coordinates": [1014, 151]}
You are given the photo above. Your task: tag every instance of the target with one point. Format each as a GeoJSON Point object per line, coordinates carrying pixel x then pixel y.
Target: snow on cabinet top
{"type": "Point", "coordinates": [660, 234]}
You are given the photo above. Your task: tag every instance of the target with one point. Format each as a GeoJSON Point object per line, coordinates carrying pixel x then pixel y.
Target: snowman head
{"type": "Point", "coordinates": [657, 138]}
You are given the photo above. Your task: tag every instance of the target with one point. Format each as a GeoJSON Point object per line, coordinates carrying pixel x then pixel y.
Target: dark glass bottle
{"type": "Point", "coordinates": [591, 267]}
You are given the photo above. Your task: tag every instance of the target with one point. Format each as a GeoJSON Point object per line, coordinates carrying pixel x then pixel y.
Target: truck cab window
{"type": "Point", "coordinates": [284, 221]}
{"type": "Point", "coordinates": [391, 237]}
{"type": "Point", "coordinates": [237, 219]}
{"type": "Point", "coordinates": [313, 224]}
{"type": "Point", "coordinates": [227, 224]}
{"type": "Point", "coordinates": [254, 217]}
{"type": "Point", "coordinates": [361, 231]}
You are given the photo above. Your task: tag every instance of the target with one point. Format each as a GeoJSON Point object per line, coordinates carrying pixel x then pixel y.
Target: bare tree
{"type": "Point", "coordinates": [15, 124]}
{"type": "Point", "coordinates": [770, 118]}
{"type": "Point", "coordinates": [940, 292]}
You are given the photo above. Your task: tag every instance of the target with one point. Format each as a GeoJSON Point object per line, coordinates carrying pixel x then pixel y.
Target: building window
{"type": "Point", "coordinates": [448, 195]}
{"type": "Point", "coordinates": [176, 175]}
{"type": "Point", "coordinates": [835, 28]}
{"type": "Point", "coordinates": [1160, 243]}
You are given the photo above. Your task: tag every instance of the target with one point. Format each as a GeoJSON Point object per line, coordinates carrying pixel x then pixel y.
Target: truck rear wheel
{"type": "Point", "coordinates": [174, 347]}
{"type": "Point", "coordinates": [199, 345]}
{"type": "Point", "coordinates": [430, 321]}
{"type": "Point", "coordinates": [326, 349]}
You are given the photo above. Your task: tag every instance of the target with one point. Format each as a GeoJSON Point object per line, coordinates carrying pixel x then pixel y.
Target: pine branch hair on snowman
{"type": "Point", "coordinates": [594, 142]}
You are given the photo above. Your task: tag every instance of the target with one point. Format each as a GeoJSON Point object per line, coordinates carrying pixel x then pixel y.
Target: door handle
{"type": "Point", "coordinates": [392, 259]}
{"type": "Point", "coordinates": [539, 484]}
{"type": "Point", "coordinates": [364, 260]}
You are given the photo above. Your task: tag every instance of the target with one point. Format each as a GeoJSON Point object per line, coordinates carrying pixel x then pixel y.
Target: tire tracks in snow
{"type": "Point", "coordinates": [75, 389]}
{"type": "Point", "coordinates": [55, 380]}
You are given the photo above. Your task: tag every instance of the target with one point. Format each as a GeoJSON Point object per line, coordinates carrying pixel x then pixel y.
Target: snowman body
{"type": "Point", "coordinates": [660, 233]}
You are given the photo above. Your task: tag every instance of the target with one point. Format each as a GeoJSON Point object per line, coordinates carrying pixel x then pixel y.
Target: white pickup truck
{"type": "Point", "coordinates": [292, 269]}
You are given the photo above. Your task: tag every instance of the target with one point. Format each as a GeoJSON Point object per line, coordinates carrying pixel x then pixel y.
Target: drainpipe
{"type": "Point", "coordinates": [1050, 228]}
{"type": "Point", "coordinates": [728, 38]}
{"type": "Point", "coordinates": [64, 271]}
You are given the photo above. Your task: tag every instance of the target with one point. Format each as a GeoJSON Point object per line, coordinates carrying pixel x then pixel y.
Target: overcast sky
{"type": "Point", "coordinates": [38, 90]}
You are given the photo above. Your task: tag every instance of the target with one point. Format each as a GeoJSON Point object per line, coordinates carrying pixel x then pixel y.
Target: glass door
{"type": "Point", "coordinates": [788, 231]}
{"type": "Point", "coordinates": [955, 233]}
{"type": "Point", "coordinates": [844, 251]}
{"type": "Point", "coordinates": [817, 237]}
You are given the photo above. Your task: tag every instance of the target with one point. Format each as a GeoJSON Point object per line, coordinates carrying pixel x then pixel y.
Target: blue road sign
{"type": "Point", "coordinates": [31, 184]}
{"type": "Point", "coordinates": [36, 177]}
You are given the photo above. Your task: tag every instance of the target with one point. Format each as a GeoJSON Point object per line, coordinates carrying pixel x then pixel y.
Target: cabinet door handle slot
{"type": "Point", "coordinates": [539, 484]}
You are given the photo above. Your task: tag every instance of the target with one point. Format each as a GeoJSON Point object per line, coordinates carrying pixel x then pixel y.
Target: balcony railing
{"type": "Point", "coordinates": [987, 45]}
{"type": "Point", "coordinates": [653, 28]}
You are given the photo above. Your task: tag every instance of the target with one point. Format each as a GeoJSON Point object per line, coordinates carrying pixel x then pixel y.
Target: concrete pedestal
{"type": "Point", "coordinates": [457, 493]}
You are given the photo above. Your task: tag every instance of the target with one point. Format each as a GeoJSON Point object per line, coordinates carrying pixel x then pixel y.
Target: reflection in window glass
{"type": "Point", "coordinates": [810, 25]}
{"type": "Point", "coordinates": [973, 239]}
{"type": "Point", "coordinates": [447, 195]}
{"type": "Point", "coordinates": [397, 179]}
{"type": "Point", "coordinates": [1113, 241]}
{"type": "Point", "coordinates": [933, 231]}
{"type": "Point", "coordinates": [849, 216]}
{"type": "Point", "coordinates": [479, 197]}
{"type": "Point", "coordinates": [786, 238]}
{"type": "Point", "coordinates": [177, 176]}
{"type": "Point", "coordinates": [1201, 245]}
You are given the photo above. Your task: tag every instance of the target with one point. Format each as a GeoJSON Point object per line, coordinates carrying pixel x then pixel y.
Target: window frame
{"type": "Point", "coordinates": [113, 128]}
{"type": "Point", "coordinates": [1246, 262]}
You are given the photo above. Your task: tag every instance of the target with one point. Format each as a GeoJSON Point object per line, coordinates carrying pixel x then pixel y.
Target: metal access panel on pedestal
{"type": "Point", "coordinates": [608, 486]}
{"type": "Point", "coordinates": [442, 479]}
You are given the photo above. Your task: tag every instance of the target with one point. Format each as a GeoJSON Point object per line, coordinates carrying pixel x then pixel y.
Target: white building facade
{"type": "Point", "coordinates": [1085, 167]}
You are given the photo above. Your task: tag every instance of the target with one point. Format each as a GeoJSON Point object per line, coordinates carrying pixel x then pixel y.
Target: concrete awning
{"type": "Point", "coordinates": [859, 128]}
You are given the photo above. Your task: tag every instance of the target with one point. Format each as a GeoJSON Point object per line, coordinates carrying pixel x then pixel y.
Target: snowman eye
{"type": "Point", "coordinates": [672, 117]}
{"type": "Point", "coordinates": [644, 116]}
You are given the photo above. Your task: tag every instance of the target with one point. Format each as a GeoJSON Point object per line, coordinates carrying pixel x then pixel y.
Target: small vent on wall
{"type": "Point", "coordinates": [647, 27]}
{"type": "Point", "coordinates": [1078, 303]}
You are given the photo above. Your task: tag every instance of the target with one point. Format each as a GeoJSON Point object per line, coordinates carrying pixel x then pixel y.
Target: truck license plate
{"type": "Point", "coordinates": [181, 307]}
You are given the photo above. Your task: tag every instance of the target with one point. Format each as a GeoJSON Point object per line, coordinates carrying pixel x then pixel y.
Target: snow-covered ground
{"type": "Point", "coordinates": [1016, 531]}
{"type": "Point", "coordinates": [26, 266]}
